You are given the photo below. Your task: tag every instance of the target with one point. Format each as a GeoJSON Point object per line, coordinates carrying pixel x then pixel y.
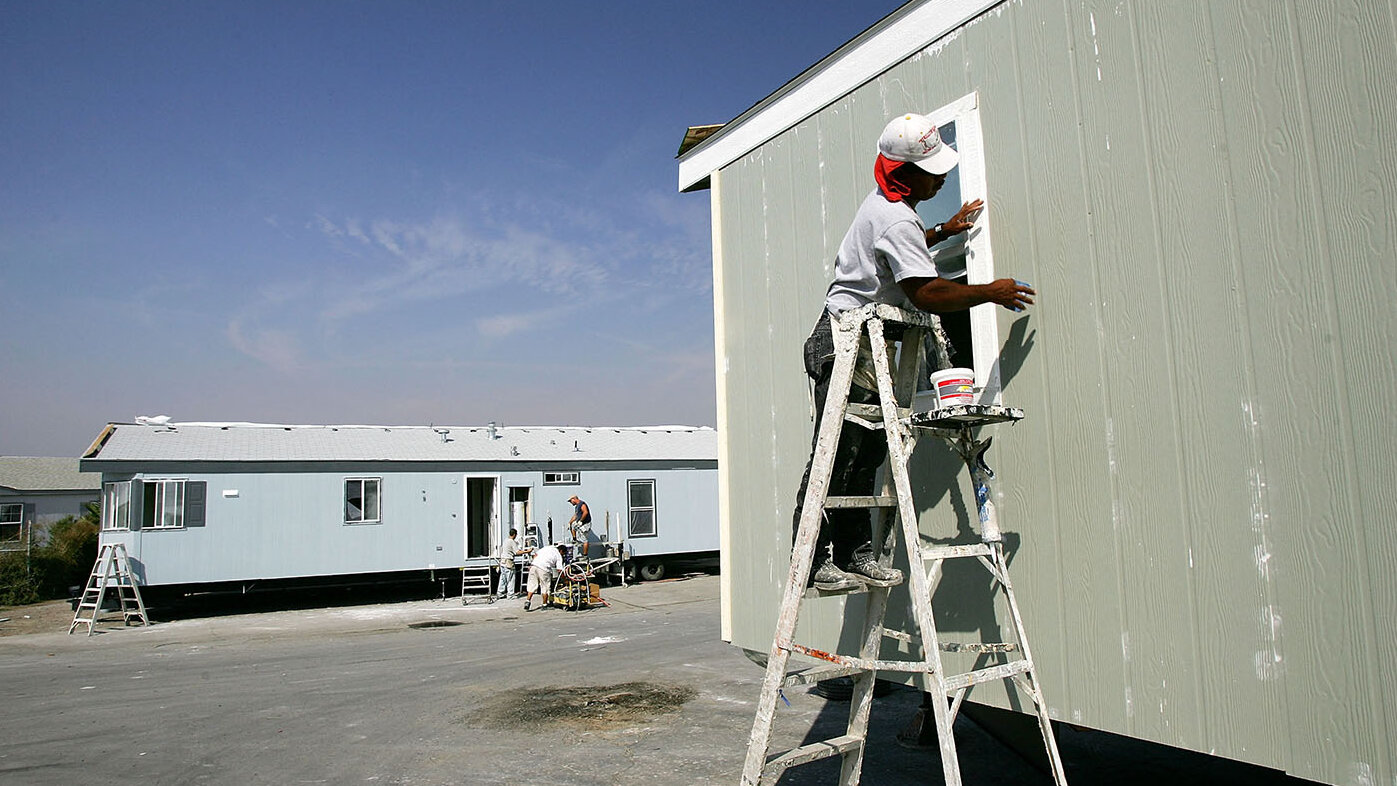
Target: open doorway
{"type": "Point", "coordinates": [482, 515]}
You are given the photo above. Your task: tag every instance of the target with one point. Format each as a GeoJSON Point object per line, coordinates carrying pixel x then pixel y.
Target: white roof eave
{"type": "Point", "coordinates": [901, 34]}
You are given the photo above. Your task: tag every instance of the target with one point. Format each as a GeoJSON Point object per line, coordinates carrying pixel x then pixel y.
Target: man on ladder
{"type": "Point", "coordinates": [885, 274]}
{"type": "Point", "coordinates": [885, 258]}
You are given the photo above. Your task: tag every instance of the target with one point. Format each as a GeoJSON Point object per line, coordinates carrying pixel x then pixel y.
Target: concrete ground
{"type": "Point", "coordinates": [433, 692]}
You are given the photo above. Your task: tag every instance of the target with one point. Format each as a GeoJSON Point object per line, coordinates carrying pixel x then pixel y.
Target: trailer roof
{"type": "Point", "coordinates": [43, 473]}
{"type": "Point", "coordinates": [255, 442]}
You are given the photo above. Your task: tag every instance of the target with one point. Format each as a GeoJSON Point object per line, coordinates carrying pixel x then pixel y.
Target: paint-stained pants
{"type": "Point", "coordinates": [848, 533]}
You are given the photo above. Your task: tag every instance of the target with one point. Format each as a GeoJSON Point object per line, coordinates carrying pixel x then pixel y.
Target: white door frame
{"type": "Point", "coordinates": [491, 545]}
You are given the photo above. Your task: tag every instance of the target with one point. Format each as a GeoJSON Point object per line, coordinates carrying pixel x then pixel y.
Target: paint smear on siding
{"type": "Point", "coordinates": [1269, 663]}
{"type": "Point", "coordinates": [1095, 47]}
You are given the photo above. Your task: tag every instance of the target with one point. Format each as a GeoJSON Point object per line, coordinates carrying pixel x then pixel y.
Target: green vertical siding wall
{"type": "Point", "coordinates": [1201, 499]}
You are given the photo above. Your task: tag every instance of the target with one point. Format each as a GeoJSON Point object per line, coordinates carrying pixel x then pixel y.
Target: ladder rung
{"type": "Point", "coordinates": [813, 592]}
{"type": "Point", "coordinates": [995, 646]}
{"type": "Point", "coordinates": [1001, 672]}
{"type": "Point", "coordinates": [818, 674]}
{"type": "Point", "coordinates": [954, 646]}
{"type": "Point", "coordinates": [956, 552]}
{"type": "Point", "coordinates": [861, 502]}
{"type": "Point", "coordinates": [835, 746]}
{"type": "Point", "coordinates": [861, 664]}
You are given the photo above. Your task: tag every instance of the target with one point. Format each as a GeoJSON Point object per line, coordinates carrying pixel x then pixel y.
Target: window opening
{"type": "Point", "coordinates": [361, 500]}
{"type": "Point", "coordinates": [974, 334]}
{"type": "Point", "coordinates": [562, 478]}
{"type": "Point", "coordinates": [11, 521]}
{"type": "Point", "coordinates": [162, 504]}
{"type": "Point", "coordinates": [641, 495]}
{"type": "Point", "coordinates": [116, 505]}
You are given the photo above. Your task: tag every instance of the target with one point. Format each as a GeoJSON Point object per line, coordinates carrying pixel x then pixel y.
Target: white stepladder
{"type": "Point", "coordinates": [477, 583]}
{"type": "Point", "coordinates": [954, 424]}
{"type": "Point", "coordinates": [111, 571]}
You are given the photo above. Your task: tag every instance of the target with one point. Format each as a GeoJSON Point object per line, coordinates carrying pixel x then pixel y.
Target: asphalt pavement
{"type": "Point", "coordinates": [436, 692]}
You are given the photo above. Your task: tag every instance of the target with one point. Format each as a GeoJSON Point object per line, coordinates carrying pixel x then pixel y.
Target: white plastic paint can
{"type": "Point", "coordinates": [954, 386]}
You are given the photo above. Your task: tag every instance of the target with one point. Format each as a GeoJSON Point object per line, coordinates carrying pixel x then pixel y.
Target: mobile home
{"type": "Point", "coordinates": [1204, 194]}
{"type": "Point", "coordinates": [216, 504]}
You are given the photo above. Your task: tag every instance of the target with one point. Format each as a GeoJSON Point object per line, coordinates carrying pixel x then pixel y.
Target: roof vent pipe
{"type": "Point", "coordinates": [490, 429]}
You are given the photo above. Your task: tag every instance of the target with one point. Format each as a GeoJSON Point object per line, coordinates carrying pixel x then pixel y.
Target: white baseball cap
{"type": "Point", "coordinates": [915, 139]}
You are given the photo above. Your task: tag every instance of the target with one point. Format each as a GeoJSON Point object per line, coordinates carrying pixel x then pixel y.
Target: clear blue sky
{"type": "Point", "coordinates": [353, 212]}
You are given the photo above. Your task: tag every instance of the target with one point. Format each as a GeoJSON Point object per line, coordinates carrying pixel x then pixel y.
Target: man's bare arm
{"type": "Point", "coordinates": [939, 295]}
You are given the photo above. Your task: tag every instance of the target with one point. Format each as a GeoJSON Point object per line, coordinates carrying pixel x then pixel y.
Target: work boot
{"type": "Point", "coordinates": [831, 579]}
{"type": "Point", "coordinates": [867, 570]}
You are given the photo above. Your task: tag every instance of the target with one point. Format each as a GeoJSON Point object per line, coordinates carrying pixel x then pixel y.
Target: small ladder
{"type": "Point", "coordinates": [476, 583]}
{"type": "Point", "coordinates": [111, 571]}
{"type": "Point", "coordinates": [953, 424]}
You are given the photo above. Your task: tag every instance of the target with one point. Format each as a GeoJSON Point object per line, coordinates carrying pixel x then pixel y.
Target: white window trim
{"type": "Point", "coordinates": [576, 480]}
{"type": "Point", "coordinates": [979, 258]}
{"type": "Point", "coordinates": [115, 516]}
{"type": "Point", "coordinates": [344, 500]}
{"type": "Point", "coordinates": [18, 524]}
{"type": "Point", "coordinates": [157, 517]}
{"type": "Point", "coordinates": [653, 507]}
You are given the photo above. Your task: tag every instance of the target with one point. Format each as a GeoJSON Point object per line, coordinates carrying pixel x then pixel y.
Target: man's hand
{"type": "Point", "coordinates": [964, 218]}
{"type": "Point", "coordinates": [962, 221]}
{"type": "Point", "coordinates": [1009, 293]}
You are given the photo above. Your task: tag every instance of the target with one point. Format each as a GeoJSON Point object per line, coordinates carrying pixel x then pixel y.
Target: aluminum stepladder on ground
{"type": "Point", "coordinates": [111, 571]}
{"type": "Point", "coordinates": [476, 583]}
{"type": "Point", "coordinates": [955, 425]}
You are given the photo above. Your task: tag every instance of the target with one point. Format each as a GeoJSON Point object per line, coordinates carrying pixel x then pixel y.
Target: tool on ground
{"type": "Point", "coordinates": [111, 571]}
{"type": "Point", "coordinates": [1009, 661]}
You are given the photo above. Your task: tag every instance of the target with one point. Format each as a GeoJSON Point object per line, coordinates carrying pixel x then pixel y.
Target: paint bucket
{"type": "Point", "coordinates": [954, 386]}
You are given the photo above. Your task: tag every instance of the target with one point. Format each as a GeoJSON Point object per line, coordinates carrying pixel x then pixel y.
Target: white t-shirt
{"type": "Point", "coordinates": [549, 559]}
{"type": "Point", "coordinates": [885, 244]}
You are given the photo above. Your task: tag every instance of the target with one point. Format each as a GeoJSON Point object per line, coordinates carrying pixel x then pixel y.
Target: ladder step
{"type": "Point", "coordinates": [956, 552]}
{"type": "Point", "coordinates": [835, 746]}
{"type": "Point", "coordinates": [819, 674]}
{"type": "Point", "coordinates": [954, 646]}
{"type": "Point", "coordinates": [1001, 672]}
{"type": "Point", "coordinates": [813, 592]}
{"type": "Point", "coordinates": [861, 502]}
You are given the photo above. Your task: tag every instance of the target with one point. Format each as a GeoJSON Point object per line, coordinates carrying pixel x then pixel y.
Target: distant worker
{"type": "Point", "coordinates": [508, 553]}
{"type": "Point", "coordinates": [581, 522]}
{"type": "Point", "coordinates": [884, 258]}
{"type": "Point", "coordinates": [546, 564]}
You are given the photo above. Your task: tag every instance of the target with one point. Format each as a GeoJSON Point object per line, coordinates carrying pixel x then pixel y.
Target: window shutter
{"type": "Point", "coordinates": [138, 499]}
{"type": "Point", "coordinates": [195, 494]}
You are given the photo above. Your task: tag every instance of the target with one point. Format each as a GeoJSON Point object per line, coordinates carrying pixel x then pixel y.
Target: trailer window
{"type": "Point", "coordinates": [11, 521]}
{"type": "Point", "coordinates": [116, 505]}
{"type": "Point", "coordinates": [361, 500]}
{"type": "Point", "coordinates": [641, 494]}
{"type": "Point", "coordinates": [162, 504]}
{"type": "Point", "coordinates": [974, 334]}
{"type": "Point", "coordinates": [562, 478]}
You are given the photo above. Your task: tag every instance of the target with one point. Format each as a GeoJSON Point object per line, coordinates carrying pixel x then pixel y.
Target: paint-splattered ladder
{"type": "Point", "coordinates": [111, 571]}
{"type": "Point", "coordinates": [1008, 661]}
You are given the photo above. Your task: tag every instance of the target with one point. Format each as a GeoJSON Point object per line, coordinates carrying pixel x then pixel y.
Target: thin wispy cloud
{"type": "Point", "coordinates": [275, 348]}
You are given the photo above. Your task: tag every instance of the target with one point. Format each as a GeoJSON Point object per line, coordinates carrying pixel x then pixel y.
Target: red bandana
{"type": "Point", "coordinates": [893, 189]}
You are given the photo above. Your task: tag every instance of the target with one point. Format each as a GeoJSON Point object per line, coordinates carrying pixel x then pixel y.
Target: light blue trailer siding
{"type": "Point", "coordinates": [290, 524]}
{"type": "Point", "coordinates": [275, 497]}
